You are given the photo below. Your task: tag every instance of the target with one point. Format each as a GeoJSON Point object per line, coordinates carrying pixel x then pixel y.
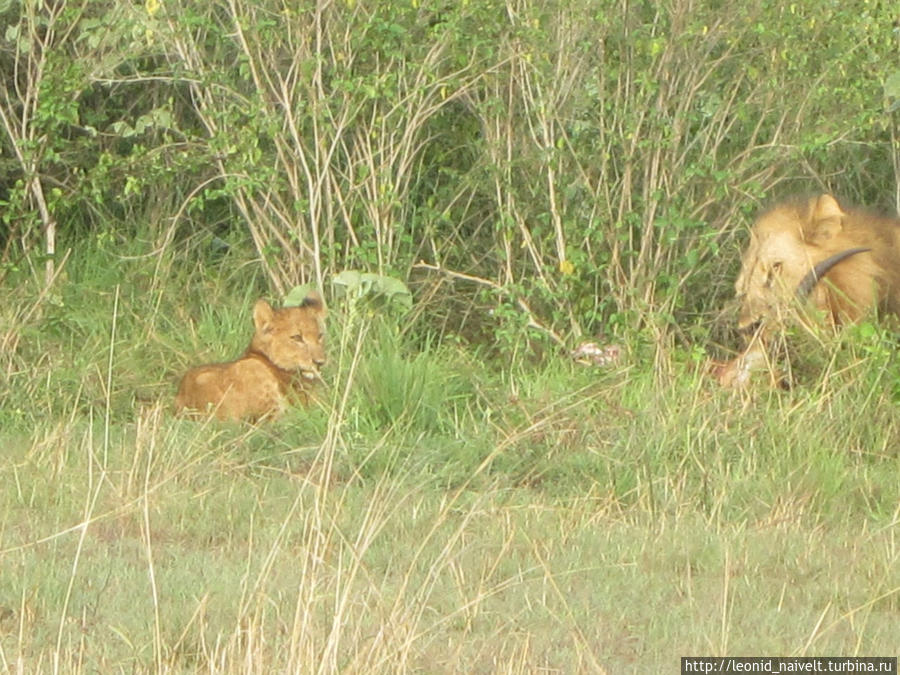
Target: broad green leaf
{"type": "Point", "coordinates": [892, 86]}
{"type": "Point", "coordinates": [297, 295]}
{"type": "Point", "coordinates": [348, 281]}
{"type": "Point", "coordinates": [375, 287]}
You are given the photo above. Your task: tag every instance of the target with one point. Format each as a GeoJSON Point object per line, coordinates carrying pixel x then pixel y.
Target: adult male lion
{"type": "Point", "coordinates": [846, 261]}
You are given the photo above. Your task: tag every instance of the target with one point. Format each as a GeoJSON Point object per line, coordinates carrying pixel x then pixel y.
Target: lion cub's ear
{"type": "Point", "coordinates": [314, 301]}
{"type": "Point", "coordinates": [263, 314]}
{"type": "Point", "coordinates": [827, 218]}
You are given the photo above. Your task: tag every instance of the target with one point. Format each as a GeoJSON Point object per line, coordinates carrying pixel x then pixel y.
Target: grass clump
{"type": "Point", "coordinates": [432, 511]}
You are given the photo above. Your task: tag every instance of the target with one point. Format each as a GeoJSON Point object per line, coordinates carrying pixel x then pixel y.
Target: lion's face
{"type": "Point", "coordinates": [775, 262]}
{"type": "Point", "coordinates": [291, 337]}
{"type": "Point", "coordinates": [844, 263]}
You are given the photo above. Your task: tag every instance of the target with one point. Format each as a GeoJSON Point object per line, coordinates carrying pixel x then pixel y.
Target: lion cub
{"type": "Point", "coordinates": [286, 347]}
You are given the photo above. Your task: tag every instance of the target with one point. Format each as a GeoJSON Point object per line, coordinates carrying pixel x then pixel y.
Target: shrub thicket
{"type": "Point", "coordinates": [571, 165]}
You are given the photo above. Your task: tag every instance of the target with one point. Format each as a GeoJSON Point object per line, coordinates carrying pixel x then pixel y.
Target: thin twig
{"type": "Point", "coordinates": [532, 319]}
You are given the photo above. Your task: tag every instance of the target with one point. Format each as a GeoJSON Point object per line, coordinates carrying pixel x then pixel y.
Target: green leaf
{"type": "Point", "coordinates": [348, 281]}
{"type": "Point", "coordinates": [297, 295]}
{"type": "Point", "coordinates": [366, 285]}
{"type": "Point", "coordinates": [892, 86]}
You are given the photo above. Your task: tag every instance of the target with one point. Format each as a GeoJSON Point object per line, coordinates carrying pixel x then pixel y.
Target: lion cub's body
{"type": "Point", "coordinates": [286, 348]}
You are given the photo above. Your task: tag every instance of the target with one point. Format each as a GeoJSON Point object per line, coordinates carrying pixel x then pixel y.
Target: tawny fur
{"type": "Point", "coordinates": [285, 351]}
{"type": "Point", "coordinates": [787, 242]}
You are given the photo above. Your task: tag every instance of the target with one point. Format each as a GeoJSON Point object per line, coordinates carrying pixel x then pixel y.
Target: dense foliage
{"type": "Point", "coordinates": [577, 166]}
{"type": "Point", "coordinates": [451, 172]}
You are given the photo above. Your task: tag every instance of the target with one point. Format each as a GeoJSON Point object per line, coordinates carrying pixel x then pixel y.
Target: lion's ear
{"type": "Point", "coordinates": [314, 301]}
{"type": "Point", "coordinates": [827, 218]}
{"type": "Point", "coordinates": [263, 315]}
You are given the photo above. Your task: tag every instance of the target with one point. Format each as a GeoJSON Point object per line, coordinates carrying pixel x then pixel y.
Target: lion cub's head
{"type": "Point", "coordinates": [291, 337]}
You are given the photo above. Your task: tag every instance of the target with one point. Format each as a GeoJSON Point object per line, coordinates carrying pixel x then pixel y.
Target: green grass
{"type": "Point", "coordinates": [433, 512]}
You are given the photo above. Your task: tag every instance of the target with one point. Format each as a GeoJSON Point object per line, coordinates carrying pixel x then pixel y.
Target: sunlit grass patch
{"type": "Point", "coordinates": [432, 510]}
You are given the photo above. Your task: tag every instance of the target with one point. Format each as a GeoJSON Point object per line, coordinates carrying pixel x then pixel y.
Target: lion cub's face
{"type": "Point", "coordinates": [291, 337]}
